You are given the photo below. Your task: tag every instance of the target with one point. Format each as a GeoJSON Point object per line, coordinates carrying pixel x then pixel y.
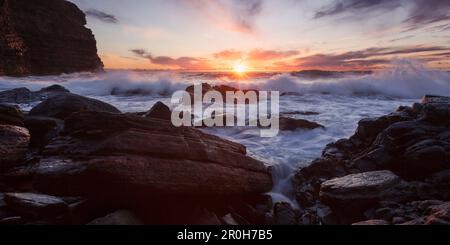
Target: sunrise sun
{"type": "Point", "coordinates": [240, 68]}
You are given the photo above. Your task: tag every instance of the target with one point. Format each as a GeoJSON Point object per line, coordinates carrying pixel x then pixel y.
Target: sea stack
{"type": "Point", "coordinates": [45, 37]}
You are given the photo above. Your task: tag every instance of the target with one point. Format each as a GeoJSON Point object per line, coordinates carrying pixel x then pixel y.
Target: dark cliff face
{"type": "Point", "coordinates": [45, 37]}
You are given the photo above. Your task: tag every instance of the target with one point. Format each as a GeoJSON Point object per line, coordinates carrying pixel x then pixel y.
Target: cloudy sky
{"type": "Point", "coordinates": [269, 34]}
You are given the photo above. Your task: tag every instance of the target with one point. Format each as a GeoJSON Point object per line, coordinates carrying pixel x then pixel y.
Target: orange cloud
{"type": "Point", "coordinates": [183, 63]}
{"type": "Point", "coordinates": [259, 54]}
{"type": "Point", "coordinates": [289, 60]}
{"type": "Point", "coordinates": [229, 55]}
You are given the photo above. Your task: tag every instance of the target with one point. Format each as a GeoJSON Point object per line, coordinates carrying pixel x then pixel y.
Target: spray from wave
{"type": "Point", "coordinates": [105, 83]}
{"type": "Point", "coordinates": [405, 79]}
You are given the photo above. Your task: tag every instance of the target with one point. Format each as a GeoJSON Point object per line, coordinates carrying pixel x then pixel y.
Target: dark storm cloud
{"type": "Point", "coordinates": [102, 16]}
{"type": "Point", "coordinates": [420, 12]}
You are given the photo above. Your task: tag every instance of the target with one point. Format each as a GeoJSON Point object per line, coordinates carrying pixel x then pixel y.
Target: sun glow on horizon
{"type": "Point", "coordinates": [240, 68]}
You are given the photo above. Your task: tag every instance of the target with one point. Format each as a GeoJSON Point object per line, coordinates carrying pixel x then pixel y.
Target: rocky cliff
{"type": "Point", "coordinates": [45, 37]}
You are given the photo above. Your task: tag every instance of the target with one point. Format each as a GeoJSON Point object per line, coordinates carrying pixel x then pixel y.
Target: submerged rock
{"type": "Point", "coordinates": [44, 38]}
{"type": "Point", "coordinates": [303, 113]}
{"type": "Point", "coordinates": [26, 96]}
{"type": "Point", "coordinates": [291, 124]}
{"type": "Point", "coordinates": [18, 96]}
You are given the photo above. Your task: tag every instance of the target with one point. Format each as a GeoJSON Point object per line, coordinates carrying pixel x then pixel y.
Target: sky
{"type": "Point", "coordinates": [269, 35]}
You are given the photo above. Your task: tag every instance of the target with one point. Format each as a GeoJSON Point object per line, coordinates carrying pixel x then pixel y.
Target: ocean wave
{"type": "Point", "coordinates": [405, 79]}
{"type": "Point", "coordinates": [105, 83]}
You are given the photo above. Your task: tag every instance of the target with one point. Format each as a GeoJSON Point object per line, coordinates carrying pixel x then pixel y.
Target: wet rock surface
{"type": "Point", "coordinates": [120, 217]}
{"type": "Point", "coordinates": [291, 124]}
{"type": "Point", "coordinates": [10, 114]}
{"type": "Point", "coordinates": [149, 156]}
{"type": "Point", "coordinates": [159, 111]}
{"type": "Point", "coordinates": [63, 105]}
{"type": "Point", "coordinates": [32, 204]}
{"type": "Point", "coordinates": [388, 165]}
{"type": "Point", "coordinates": [357, 188]}
{"type": "Point", "coordinates": [89, 163]}
{"type": "Point", "coordinates": [26, 96]}
{"type": "Point", "coordinates": [14, 143]}
{"type": "Point", "coordinates": [72, 146]}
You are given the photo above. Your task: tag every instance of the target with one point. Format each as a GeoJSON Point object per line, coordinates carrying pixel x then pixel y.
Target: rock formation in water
{"type": "Point", "coordinates": [45, 37]}
{"type": "Point", "coordinates": [394, 170]}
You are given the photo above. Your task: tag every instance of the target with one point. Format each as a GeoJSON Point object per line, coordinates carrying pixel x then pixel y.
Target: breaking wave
{"type": "Point", "coordinates": [405, 79]}
{"type": "Point", "coordinates": [105, 83]}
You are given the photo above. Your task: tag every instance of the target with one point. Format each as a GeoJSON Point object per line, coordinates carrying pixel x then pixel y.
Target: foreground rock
{"type": "Point", "coordinates": [45, 37]}
{"type": "Point", "coordinates": [120, 217]}
{"type": "Point", "coordinates": [159, 111]}
{"type": "Point", "coordinates": [358, 190]}
{"type": "Point", "coordinates": [111, 161]}
{"type": "Point", "coordinates": [373, 222]}
{"type": "Point", "coordinates": [389, 162]}
{"type": "Point", "coordinates": [122, 155]}
{"type": "Point", "coordinates": [35, 205]}
{"type": "Point", "coordinates": [14, 143]}
{"type": "Point", "coordinates": [43, 129]}
{"type": "Point", "coordinates": [63, 105]}
{"type": "Point", "coordinates": [11, 115]}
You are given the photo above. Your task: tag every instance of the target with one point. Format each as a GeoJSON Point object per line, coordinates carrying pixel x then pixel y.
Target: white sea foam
{"type": "Point", "coordinates": [406, 79]}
